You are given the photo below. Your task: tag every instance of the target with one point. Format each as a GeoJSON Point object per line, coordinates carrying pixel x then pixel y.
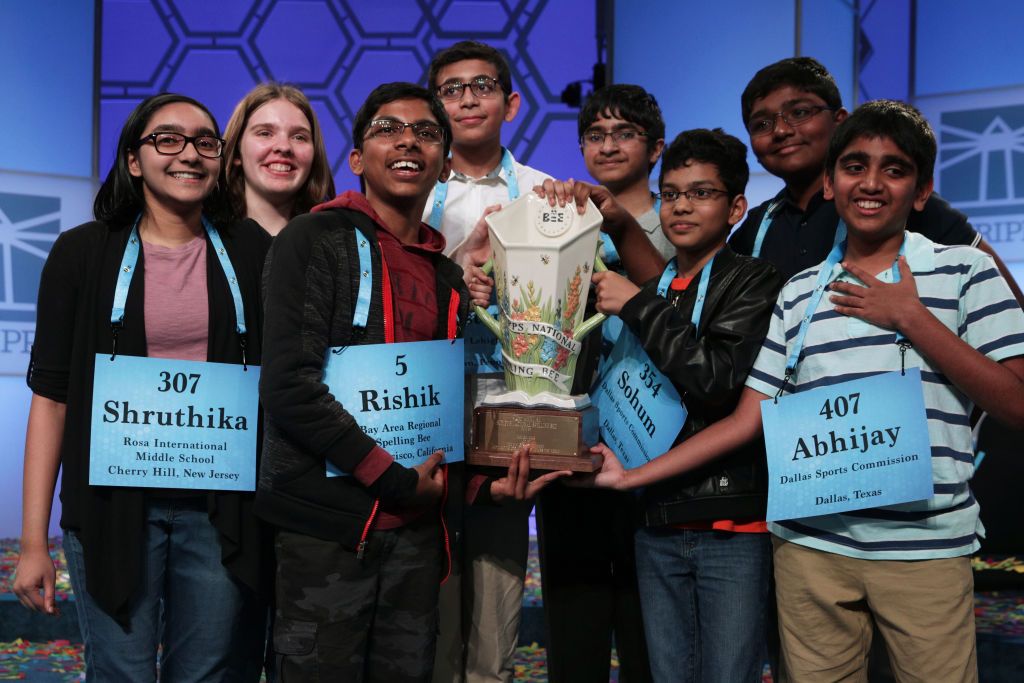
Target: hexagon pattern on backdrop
{"type": "Point", "coordinates": [339, 50]}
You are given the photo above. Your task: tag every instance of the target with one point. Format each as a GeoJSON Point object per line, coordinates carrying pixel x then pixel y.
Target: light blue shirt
{"type": "Point", "coordinates": [962, 288]}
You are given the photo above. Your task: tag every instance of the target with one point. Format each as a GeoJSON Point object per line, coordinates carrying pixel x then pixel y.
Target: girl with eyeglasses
{"type": "Point", "coordinates": [275, 160]}
{"type": "Point", "coordinates": [156, 284]}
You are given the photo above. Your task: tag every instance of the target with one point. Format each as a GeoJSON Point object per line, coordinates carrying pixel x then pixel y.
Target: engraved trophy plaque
{"type": "Point", "coordinates": [542, 260]}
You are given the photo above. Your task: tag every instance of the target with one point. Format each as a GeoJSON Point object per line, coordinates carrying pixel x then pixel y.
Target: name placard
{"type": "Point", "coordinates": [161, 423]}
{"type": "Point", "coordinates": [855, 445]}
{"type": "Point", "coordinates": [483, 352]}
{"type": "Point", "coordinates": [639, 408]}
{"type": "Point", "coordinates": [407, 396]}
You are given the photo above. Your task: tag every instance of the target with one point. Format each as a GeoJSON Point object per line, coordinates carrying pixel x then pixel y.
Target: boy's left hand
{"type": "Point", "coordinates": [884, 304]}
{"type": "Point", "coordinates": [516, 485]}
{"type": "Point", "coordinates": [578, 192]}
{"type": "Point", "coordinates": [476, 248]}
{"type": "Point", "coordinates": [612, 291]}
{"type": "Point", "coordinates": [480, 286]}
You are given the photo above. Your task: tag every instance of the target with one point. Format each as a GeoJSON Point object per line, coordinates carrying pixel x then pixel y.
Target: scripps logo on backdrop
{"type": "Point", "coordinates": [980, 170]}
{"type": "Point", "coordinates": [29, 224]}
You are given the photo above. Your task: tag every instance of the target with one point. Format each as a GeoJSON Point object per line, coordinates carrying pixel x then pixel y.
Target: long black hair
{"type": "Point", "coordinates": [120, 198]}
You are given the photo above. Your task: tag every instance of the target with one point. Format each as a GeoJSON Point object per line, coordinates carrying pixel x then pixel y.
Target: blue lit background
{"type": "Point", "coordinates": [67, 93]}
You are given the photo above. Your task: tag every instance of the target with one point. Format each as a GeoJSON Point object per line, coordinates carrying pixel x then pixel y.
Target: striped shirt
{"type": "Point", "coordinates": [962, 288]}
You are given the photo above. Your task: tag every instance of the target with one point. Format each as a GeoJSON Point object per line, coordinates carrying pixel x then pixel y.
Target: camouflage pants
{"type": "Point", "coordinates": [358, 620]}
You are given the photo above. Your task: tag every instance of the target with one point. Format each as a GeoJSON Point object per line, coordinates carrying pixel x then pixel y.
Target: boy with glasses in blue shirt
{"type": "Point", "coordinates": [586, 537]}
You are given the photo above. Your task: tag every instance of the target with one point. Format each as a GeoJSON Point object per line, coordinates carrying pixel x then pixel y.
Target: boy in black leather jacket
{"type": "Point", "coordinates": [703, 551]}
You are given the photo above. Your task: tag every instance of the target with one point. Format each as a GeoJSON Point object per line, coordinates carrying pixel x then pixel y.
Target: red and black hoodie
{"type": "Point", "coordinates": [310, 286]}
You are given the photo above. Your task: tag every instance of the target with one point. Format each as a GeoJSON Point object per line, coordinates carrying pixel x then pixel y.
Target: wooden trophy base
{"type": "Point", "coordinates": [561, 439]}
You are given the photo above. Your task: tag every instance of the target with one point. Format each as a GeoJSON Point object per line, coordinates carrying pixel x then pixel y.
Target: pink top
{"type": "Point", "coordinates": [176, 307]}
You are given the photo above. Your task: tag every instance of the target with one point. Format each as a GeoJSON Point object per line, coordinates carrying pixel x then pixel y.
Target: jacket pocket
{"type": "Point", "coordinates": [294, 637]}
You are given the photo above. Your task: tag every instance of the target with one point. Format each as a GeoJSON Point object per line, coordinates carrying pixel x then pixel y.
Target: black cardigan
{"type": "Point", "coordinates": [76, 292]}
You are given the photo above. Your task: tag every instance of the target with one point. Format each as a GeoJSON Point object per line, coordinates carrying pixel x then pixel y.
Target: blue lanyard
{"type": "Point", "coordinates": [441, 190]}
{"type": "Point", "coordinates": [362, 311]}
{"type": "Point", "coordinates": [671, 270]}
{"type": "Point", "coordinates": [127, 269]}
{"type": "Point", "coordinates": [762, 229]}
{"type": "Point", "coordinates": [824, 278]}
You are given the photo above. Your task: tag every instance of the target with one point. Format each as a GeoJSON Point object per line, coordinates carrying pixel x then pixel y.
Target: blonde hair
{"type": "Point", "coordinates": [320, 183]}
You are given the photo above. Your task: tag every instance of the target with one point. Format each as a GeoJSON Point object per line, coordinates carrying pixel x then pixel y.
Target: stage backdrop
{"type": "Point", "coordinates": [339, 50]}
{"type": "Point", "coordinates": [958, 62]}
{"type": "Point", "coordinates": [70, 78]}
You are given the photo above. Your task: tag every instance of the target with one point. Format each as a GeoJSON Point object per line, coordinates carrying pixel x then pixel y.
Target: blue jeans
{"type": "Point", "coordinates": [187, 602]}
{"type": "Point", "coordinates": [703, 596]}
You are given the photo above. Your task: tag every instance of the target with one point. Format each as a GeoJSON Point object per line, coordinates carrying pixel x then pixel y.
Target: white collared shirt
{"type": "Point", "coordinates": [468, 197]}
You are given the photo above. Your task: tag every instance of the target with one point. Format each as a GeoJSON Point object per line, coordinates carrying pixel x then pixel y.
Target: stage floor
{"type": "Point", "coordinates": [36, 648]}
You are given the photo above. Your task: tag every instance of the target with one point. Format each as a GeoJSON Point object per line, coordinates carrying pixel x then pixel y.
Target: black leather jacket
{"type": "Point", "coordinates": [709, 369]}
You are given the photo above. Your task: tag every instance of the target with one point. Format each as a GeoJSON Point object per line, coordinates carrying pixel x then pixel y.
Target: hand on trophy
{"type": "Point", "coordinates": [612, 474]}
{"type": "Point", "coordinates": [612, 291]}
{"type": "Point", "coordinates": [430, 485]}
{"type": "Point", "coordinates": [480, 286]}
{"type": "Point", "coordinates": [561, 192]}
{"type": "Point", "coordinates": [476, 248]}
{"type": "Point", "coordinates": [516, 485]}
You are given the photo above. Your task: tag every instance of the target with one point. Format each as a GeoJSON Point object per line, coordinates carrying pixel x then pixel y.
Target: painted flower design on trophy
{"type": "Point", "coordinates": [527, 309]}
{"type": "Point", "coordinates": [572, 306]}
{"type": "Point", "coordinates": [542, 257]}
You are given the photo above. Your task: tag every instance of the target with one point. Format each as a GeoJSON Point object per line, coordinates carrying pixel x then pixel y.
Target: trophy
{"type": "Point", "coordinates": [542, 259]}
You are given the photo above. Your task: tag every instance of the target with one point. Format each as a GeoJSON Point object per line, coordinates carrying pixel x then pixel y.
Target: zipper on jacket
{"type": "Point", "coordinates": [453, 315]}
{"type": "Point", "coordinates": [389, 313]}
{"type": "Point", "coordinates": [444, 526]}
{"type": "Point", "coordinates": [389, 338]}
{"type": "Point", "coordinates": [361, 548]}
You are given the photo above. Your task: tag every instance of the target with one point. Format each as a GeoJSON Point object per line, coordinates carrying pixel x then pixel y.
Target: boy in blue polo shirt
{"type": "Point", "coordinates": [905, 566]}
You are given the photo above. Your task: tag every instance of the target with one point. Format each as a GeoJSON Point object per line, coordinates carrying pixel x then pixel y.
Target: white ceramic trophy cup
{"type": "Point", "coordinates": [542, 261]}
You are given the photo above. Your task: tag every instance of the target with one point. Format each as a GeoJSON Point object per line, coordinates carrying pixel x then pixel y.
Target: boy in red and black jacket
{"type": "Point", "coordinates": [360, 557]}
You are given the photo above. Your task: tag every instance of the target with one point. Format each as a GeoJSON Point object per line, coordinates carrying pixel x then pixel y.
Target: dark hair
{"type": "Point", "coordinates": [628, 102]}
{"type": "Point", "coordinates": [727, 153]}
{"type": "Point", "coordinates": [897, 121]}
{"type": "Point", "coordinates": [391, 92]}
{"type": "Point", "coordinates": [320, 183]}
{"type": "Point", "coordinates": [803, 73]}
{"type": "Point", "coordinates": [471, 49]}
{"type": "Point", "coordinates": [120, 198]}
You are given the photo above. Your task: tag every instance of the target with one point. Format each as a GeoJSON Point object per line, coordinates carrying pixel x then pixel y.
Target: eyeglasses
{"type": "Point", "coordinates": [596, 137]}
{"type": "Point", "coordinates": [795, 115]}
{"type": "Point", "coordinates": [208, 146]}
{"type": "Point", "coordinates": [697, 194]}
{"type": "Point", "coordinates": [481, 86]}
{"type": "Point", "coordinates": [389, 129]}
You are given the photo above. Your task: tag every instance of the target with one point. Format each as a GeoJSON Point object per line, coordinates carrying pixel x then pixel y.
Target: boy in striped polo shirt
{"type": "Point", "coordinates": [904, 566]}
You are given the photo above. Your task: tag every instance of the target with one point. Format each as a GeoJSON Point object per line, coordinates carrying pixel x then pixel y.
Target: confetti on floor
{"type": "Point", "coordinates": [997, 563]}
{"type": "Point", "coordinates": [531, 589]}
{"type": "Point", "coordinates": [997, 613]}
{"type": "Point", "coordinates": [56, 661]}
{"type": "Point", "coordinates": [1000, 613]}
